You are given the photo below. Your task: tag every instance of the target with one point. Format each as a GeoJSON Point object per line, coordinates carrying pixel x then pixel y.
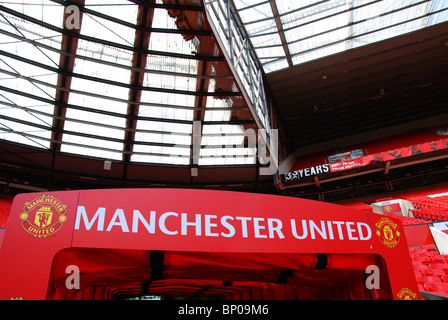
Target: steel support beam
{"type": "Point", "coordinates": [69, 44]}
{"type": "Point", "coordinates": [144, 19]}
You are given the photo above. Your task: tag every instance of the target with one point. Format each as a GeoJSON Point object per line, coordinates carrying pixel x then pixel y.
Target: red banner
{"type": "Point", "coordinates": [390, 155]}
{"type": "Point", "coordinates": [366, 160]}
{"type": "Point", "coordinates": [194, 221]}
{"type": "Point", "coordinates": [145, 219]}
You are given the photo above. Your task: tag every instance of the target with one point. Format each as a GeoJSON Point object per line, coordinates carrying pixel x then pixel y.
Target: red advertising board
{"type": "Point", "coordinates": [255, 224]}
{"type": "Point", "coordinates": [26, 255]}
{"type": "Point", "coordinates": [365, 160]}
{"type": "Point", "coordinates": [40, 225]}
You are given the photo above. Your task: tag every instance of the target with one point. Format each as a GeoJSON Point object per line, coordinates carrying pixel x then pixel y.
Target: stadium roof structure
{"type": "Point", "coordinates": [340, 68]}
{"type": "Point", "coordinates": [138, 93]}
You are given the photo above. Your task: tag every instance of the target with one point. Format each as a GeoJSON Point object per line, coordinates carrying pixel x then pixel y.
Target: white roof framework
{"type": "Point", "coordinates": [285, 33]}
{"type": "Point", "coordinates": [126, 89]}
{"type": "Point", "coordinates": [117, 89]}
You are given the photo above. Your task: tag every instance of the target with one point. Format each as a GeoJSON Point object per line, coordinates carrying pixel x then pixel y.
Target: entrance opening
{"type": "Point", "coordinates": [87, 273]}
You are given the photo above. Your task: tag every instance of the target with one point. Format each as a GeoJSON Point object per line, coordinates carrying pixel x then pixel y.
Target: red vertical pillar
{"type": "Point", "coordinates": [39, 225]}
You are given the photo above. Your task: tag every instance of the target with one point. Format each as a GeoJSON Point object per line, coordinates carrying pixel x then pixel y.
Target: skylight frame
{"type": "Point", "coordinates": [28, 88]}
{"type": "Point", "coordinates": [95, 116]}
{"type": "Point", "coordinates": [346, 39]}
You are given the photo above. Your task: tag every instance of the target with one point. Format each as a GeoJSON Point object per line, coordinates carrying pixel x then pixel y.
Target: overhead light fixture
{"type": "Point", "coordinates": [107, 165]}
{"type": "Point", "coordinates": [88, 178]}
{"type": "Point", "coordinates": [10, 165]}
{"type": "Point", "coordinates": [381, 94]}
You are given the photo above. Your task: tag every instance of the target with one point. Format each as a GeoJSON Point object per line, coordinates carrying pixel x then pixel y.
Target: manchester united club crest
{"type": "Point", "coordinates": [406, 294]}
{"type": "Point", "coordinates": [43, 216]}
{"type": "Point", "coordinates": [387, 232]}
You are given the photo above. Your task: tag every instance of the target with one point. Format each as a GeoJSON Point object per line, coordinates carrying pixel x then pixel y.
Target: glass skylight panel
{"type": "Point", "coordinates": [102, 53]}
{"type": "Point", "coordinates": [35, 120]}
{"type": "Point", "coordinates": [104, 29]}
{"type": "Point", "coordinates": [213, 102]}
{"type": "Point", "coordinates": [258, 20]}
{"type": "Point", "coordinates": [171, 64]}
{"type": "Point", "coordinates": [164, 152]}
{"type": "Point", "coordinates": [376, 22]}
{"type": "Point", "coordinates": [90, 118]}
{"type": "Point", "coordinates": [217, 115]}
{"type": "Point", "coordinates": [168, 159]}
{"type": "Point", "coordinates": [105, 89]}
{"type": "Point", "coordinates": [254, 13]}
{"type": "Point", "coordinates": [165, 104]}
{"type": "Point", "coordinates": [176, 137]}
{"type": "Point", "coordinates": [316, 32]}
{"type": "Point", "coordinates": [163, 81]}
{"type": "Point", "coordinates": [289, 6]}
{"type": "Point", "coordinates": [43, 10]}
{"type": "Point", "coordinates": [99, 131]}
{"type": "Point", "coordinates": [267, 41]}
{"type": "Point", "coordinates": [168, 138]}
{"type": "Point", "coordinates": [100, 4]}
{"type": "Point", "coordinates": [27, 78]}
{"type": "Point", "coordinates": [439, 17]}
{"type": "Point", "coordinates": [263, 27]}
{"type": "Point", "coordinates": [224, 145]}
{"type": "Point", "coordinates": [165, 112]}
{"type": "Point", "coordinates": [319, 52]}
{"type": "Point", "coordinates": [24, 134]}
{"type": "Point", "coordinates": [99, 134]}
{"type": "Point", "coordinates": [92, 147]}
{"type": "Point", "coordinates": [167, 142]}
{"type": "Point", "coordinates": [97, 102]}
{"type": "Point", "coordinates": [16, 34]}
{"type": "Point", "coordinates": [101, 71]}
{"type": "Point", "coordinates": [272, 65]}
{"type": "Point", "coordinates": [94, 128]}
{"type": "Point", "coordinates": [34, 114]}
{"type": "Point", "coordinates": [314, 13]}
{"type": "Point", "coordinates": [270, 52]}
{"type": "Point", "coordinates": [127, 11]}
{"type": "Point", "coordinates": [169, 42]}
{"type": "Point", "coordinates": [328, 27]}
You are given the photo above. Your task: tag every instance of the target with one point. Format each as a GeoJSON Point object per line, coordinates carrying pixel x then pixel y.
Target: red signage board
{"type": "Point", "coordinates": [40, 225]}
{"type": "Point", "coordinates": [365, 160]}
{"type": "Point", "coordinates": [200, 220]}
{"type": "Point", "coordinates": [28, 249]}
